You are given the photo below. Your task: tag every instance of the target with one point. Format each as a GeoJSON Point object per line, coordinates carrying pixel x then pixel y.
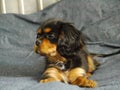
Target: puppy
{"type": "Point", "coordinates": [68, 60]}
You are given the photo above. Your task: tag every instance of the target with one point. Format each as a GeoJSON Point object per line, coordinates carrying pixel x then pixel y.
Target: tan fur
{"type": "Point", "coordinates": [46, 47]}
{"type": "Point", "coordinates": [84, 82]}
{"type": "Point", "coordinates": [39, 31]}
{"type": "Point", "coordinates": [76, 76]}
{"type": "Point", "coordinates": [56, 57]}
{"type": "Point", "coordinates": [54, 75]}
{"type": "Point", "coordinates": [47, 30]}
{"type": "Point", "coordinates": [91, 66]}
{"type": "Point", "coordinates": [74, 73]}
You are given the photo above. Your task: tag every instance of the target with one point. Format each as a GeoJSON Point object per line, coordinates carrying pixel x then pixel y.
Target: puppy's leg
{"type": "Point", "coordinates": [77, 76]}
{"type": "Point", "coordinates": [91, 65]}
{"type": "Point", "coordinates": [53, 74]}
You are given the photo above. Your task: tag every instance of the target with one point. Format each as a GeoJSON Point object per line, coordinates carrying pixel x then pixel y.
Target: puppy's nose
{"type": "Point", "coordinates": [37, 43]}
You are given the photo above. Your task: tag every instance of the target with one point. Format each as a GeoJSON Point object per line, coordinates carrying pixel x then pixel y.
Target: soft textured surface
{"type": "Point", "coordinates": [99, 20]}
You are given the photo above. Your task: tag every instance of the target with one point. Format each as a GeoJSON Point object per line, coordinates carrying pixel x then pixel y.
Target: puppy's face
{"type": "Point", "coordinates": [47, 39]}
{"type": "Point", "coordinates": [59, 36]}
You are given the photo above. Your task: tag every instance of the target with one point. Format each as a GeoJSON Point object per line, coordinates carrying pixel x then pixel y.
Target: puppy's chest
{"type": "Point", "coordinates": [73, 62]}
{"type": "Point", "coordinates": [64, 63]}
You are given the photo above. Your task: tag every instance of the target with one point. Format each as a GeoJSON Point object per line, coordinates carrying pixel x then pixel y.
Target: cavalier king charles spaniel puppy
{"type": "Point", "coordinates": [68, 59]}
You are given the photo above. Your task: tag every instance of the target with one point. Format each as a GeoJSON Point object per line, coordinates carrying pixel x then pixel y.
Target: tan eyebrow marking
{"type": "Point", "coordinates": [47, 30]}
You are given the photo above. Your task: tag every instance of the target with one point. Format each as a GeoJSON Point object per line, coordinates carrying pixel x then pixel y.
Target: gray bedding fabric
{"type": "Point", "coordinates": [99, 20]}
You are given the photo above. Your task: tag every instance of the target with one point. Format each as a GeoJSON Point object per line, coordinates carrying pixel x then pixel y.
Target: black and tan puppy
{"type": "Point", "coordinates": [67, 57]}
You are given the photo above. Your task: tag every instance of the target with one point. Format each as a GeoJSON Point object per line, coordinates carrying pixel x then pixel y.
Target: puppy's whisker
{"type": "Point", "coordinates": [29, 55]}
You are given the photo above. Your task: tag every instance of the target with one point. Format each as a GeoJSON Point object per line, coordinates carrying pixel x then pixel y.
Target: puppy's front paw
{"type": "Point", "coordinates": [91, 84]}
{"type": "Point", "coordinates": [47, 80]}
{"type": "Point", "coordinates": [84, 82]}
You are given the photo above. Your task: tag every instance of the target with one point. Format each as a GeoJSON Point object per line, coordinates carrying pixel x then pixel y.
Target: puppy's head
{"type": "Point", "coordinates": [55, 35]}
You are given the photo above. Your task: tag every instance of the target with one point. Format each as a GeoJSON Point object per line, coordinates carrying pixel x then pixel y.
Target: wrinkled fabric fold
{"type": "Point", "coordinates": [99, 20]}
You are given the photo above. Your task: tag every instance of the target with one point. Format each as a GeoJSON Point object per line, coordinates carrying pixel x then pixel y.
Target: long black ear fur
{"type": "Point", "coordinates": [70, 40]}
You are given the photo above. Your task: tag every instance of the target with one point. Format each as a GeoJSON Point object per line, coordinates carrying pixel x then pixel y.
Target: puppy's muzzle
{"type": "Point", "coordinates": [45, 47]}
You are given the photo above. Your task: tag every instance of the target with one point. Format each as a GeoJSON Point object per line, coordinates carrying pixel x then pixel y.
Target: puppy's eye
{"type": "Point", "coordinates": [38, 36]}
{"type": "Point", "coordinates": [51, 36]}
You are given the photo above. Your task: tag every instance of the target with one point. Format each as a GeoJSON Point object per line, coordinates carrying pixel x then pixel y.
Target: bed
{"type": "Point", "coordinates": [99, 20]}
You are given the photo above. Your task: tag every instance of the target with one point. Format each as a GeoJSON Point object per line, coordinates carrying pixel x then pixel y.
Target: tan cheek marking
{"type": "Point", "coordinates": [47, 30]}
{"type": "Point", "coordinates": [46, 47]}
{"type": "Point", "coordinates": [39, 31]}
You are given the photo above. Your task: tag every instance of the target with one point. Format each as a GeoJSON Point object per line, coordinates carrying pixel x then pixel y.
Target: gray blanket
{"type": "Point", "coordinates": [99, 20]}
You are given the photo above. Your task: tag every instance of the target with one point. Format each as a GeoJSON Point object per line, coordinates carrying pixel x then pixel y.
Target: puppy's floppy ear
{"type": "Point", "coordinates": [70, 38]}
